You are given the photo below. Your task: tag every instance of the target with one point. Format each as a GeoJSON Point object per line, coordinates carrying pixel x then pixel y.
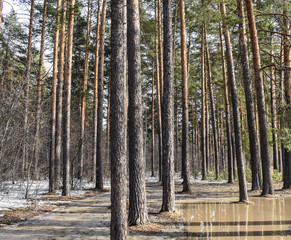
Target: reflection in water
{"type": "Point", "coordinates": [268, 218]}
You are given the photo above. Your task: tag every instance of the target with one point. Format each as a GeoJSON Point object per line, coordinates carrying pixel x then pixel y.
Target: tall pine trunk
{"type": "Point", "coordinates": [95, 117]}
{"type": "Point", "coordinates": [253, 137]}
{"type": "Point", "coordinates": [67, 102]}
{"type": "Point", "coordinates": [185, 112]}
{"type": "Point", "coordinates": [168, 203]}
{"type": "Point", "coordinates": [26, 91]}
{"type": "Point", "coordinates": [137, 199]}
{"type": "Point", "coordinates": [203, 147]}
{"type": "Point", "coordinates": [287, 113]}
{"type": "Point", "coordinates": [83, 102]}
{"type": "Point", "coordinates": [54, 104]}
{"type": "Point", "coordinates": [158, 92]}
{"type": "Point", "coordinates": [226, 110]}
{"type": "Point", "coordinates": [243, 196]}
{"type": "Point", "coordinates": [273, 109]}
{"type": "Point", "coordinates": [153, 122]}
{"type": "Point", "coordinates": [263, 126]}
{"type": "Point", "coordinates": [99, 163]}
{"type": "Point", "coordinates": [39, 85]}
{"type": "Point", "coordinates": [213, 117]}
{"type": "Point", "coordinates": [118, 225]}
{"type": "Point", "coordinates": [59, 121]}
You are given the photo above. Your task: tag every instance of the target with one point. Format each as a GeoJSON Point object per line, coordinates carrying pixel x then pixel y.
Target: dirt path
{"type": "Point", "coordinates": [90, 218]}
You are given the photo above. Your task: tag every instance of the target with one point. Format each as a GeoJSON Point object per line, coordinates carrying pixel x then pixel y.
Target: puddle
{"type": "Point", "coordinates": [268, 218]}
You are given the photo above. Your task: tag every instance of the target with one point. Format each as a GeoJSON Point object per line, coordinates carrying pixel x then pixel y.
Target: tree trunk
{"type": "Point", "coordinates": [83, 103]}
{"type": "Point", "coordinates": [273, 110]}
{"type": "Point", "coordinates": [287, 113]}
{"type": "Point", "coordinates": [243, 196]}
{"type": "Point", "coordinates": [185, 113]}
{"type": "Point", "coordinates": [158, 92]}
{"type": "Point", "coordinates": [95, 117]}
{"type": "Point", "coordinates": [168, 126]}
{"type": "Point", "coordinates": [39, 83]}
{"type": "Point", "coordinates": [99, 163]}
{"type": "Point", "coordinates": [26, 90]}
{"type": "Point", "coordinates": [203, 151]}
{"type": "Point", "coordinates": [160, 32]}
{"type": "Point", "coordinates": [213, 119]}
{"type": "Point", "coordinates": [153, 123]}
{"type": "Point", "coordinates": [226, 109]}
{"type": "Point", "coordinates": [137, 199]}
{"type": "Point", "coordinates": [253, 137]}
{"type": "Point", "coordinates": [264, 139]}
{"type": "Point", "coordinates": [118, 225]}
{"type": "Point", "coordinates": [52, 158]}
{"type": "Point", "coordinates": [67, 107]}
{"type": "Point", "coordinates": [59, 121]}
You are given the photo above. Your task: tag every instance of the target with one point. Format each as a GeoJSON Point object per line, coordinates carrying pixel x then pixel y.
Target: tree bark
{"type": "Point", "coordinates": [26, 89]}
{"type": "Point", "coordinates": [287, 112]}
{"type": "Point", "coordinates": [95, 117]}
{"type": "Point", "coordinates": [39, 83]}
{"type": "Point", "coordinates": [185, 111]}
{"type": "Point", "coordinates": [213, 117]}
{"type": "Point", "coordinates": [253, 137]}
{"type": "Point", "coordinates": [118, 226]}
{"type": "Point", "coordinates": [67, 107]}
{"type": "Point", "coordinates": [158, 92]}
{"type": "Point", "coordinates": [168, 126]}
{"type": "Point", "coordinates": [153, 122]}
{"type": "Point", "coordinates": [264, 139]}
{"type": "Point", "coordinates": [226, 109]}
{"type": "Point", "coordinates": [83, 101]}
{"type": "Point", "coordinates": [137, 198]}
{"type": "Point", "coordinates": [243, 196]}
{"type": "Point", "coordinates": [273, 110]}
{"type": "Point", "coordinates": [99, 163]}
{"type": "Point", "coordinates": [203, 151]}
{"type": "Point", "coordinates": [52, 158]}
{"type": "Point", "coordinates": [59, 122]}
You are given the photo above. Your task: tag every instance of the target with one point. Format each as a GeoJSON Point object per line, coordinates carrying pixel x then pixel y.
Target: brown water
{"type": "Point", "coordinates": [267, 218]}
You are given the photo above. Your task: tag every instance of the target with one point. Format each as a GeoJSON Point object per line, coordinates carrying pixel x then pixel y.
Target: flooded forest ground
{"type": "Point", "coordinates": [210, 211]}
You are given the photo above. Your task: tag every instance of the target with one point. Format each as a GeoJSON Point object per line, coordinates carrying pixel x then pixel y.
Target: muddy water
{"type": "Point", "coordinates": [267, 218]}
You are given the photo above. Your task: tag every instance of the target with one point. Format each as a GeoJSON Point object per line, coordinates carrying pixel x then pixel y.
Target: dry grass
{"type": "Point", "coordinates": [15, 215]}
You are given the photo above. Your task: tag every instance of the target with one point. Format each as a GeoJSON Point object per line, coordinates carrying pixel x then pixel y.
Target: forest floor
{"type": "Point", "coordinates": [88, 217]}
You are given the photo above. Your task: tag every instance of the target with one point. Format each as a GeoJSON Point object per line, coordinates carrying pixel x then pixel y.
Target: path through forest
{"type": "Point", "coordinates": [90, 218]}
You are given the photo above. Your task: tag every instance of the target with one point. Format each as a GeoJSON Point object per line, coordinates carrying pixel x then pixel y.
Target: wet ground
{"type": "Point", "coordinates": [221, 217]}
{"type": "Point", "coordinates": [208, 212]}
